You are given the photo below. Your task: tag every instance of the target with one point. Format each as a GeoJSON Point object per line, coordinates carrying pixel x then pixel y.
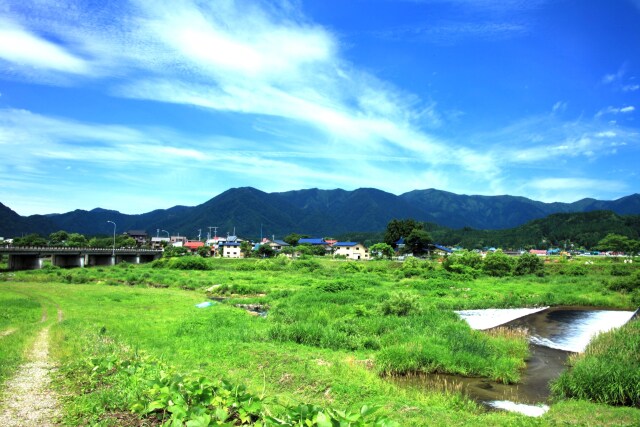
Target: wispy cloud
{"type": "Point", "coordinates": [450, 32]}
{"type": "Point", "coordinates": [288, 80]}
{"type": "Point", "coordinates": [615, 110]}
{"type": "Point", "coordinates": [25, 49]}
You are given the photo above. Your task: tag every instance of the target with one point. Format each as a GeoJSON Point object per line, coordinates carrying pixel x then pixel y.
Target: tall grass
{"type": "Point", "coordinates": [608, 371]}
{"type": "Point", "coordinates": [19, 317]}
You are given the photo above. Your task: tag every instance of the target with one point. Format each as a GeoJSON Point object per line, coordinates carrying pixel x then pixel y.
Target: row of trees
{"type": "Point", "coordinates": [62, 238]}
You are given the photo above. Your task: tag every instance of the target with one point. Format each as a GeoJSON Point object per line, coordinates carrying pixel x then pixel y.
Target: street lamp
{"type": "Point", "coordinates": [113, 252]}
{"type": "Point", "coordinates": [165, 231]}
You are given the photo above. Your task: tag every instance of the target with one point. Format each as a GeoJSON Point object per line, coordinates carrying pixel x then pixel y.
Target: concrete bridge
{"type": "Point", "coordinates": [31, 258]}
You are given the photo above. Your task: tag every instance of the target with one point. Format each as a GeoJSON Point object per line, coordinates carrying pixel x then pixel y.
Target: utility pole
{"type": "Point", "coordinates": [199, 233]}
{"type": "Point", "coordinates": [215, 231]}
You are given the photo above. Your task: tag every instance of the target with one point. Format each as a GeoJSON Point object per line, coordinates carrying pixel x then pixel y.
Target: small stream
{"type": "Point", "coordinates": [555, 333]}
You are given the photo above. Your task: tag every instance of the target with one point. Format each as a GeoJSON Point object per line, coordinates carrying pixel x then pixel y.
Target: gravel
{"type": "Point", "coordinates": [28, 399]}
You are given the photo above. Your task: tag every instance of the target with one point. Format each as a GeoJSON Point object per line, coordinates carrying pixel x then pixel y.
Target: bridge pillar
{"type": "Point", "coordinates": [24, 262]}
{"type": "Point", "coordinates": [99, 259]}
{"type": "Point", "coordinates": [67, 260]}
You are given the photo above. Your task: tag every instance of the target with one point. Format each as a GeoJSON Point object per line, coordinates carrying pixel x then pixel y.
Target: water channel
{"type": "Point", "coordinates": [554, 333]}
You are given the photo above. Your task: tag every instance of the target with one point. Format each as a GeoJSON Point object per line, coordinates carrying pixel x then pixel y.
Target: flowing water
{"type": "Point", "coordinates": [555, 333]}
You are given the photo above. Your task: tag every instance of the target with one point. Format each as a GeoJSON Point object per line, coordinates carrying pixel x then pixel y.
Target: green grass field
{"type": "Point", "coordinates": [333, 332]}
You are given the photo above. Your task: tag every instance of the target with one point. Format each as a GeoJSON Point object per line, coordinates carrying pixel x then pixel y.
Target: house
{"type": "Point", "coordinates": [277, 245]}
{"type": "Point", "coordinates": [231, 250]}
{"type": "Point", "coordinates": [140, 236]}
{"type": "Point", "coordinates": [351, 250]}
{"type": "Point", "coordinates": [400, 244]}
{"type": "Point", "coordinates": [539, 252]}
{"type": "Point", "coordinates": [193, 246]}
{"type": "Point", "coordinates": [159, 242]}
{"type": "Point", "coordinates": [312, 242]}
{"type": "Point", "coordinates": [441, 250]}
{"type": "Point", "coordinates": [178, 240]}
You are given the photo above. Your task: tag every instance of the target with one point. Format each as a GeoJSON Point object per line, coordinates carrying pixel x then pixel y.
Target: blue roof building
{"type": "Point", "coordinates": [312, 242]}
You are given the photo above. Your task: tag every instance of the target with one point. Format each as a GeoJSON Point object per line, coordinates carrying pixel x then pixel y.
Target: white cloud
{"type": "Point", "coordinates": [630, 87]}
{"type": "Point", "coordinates": [23, 48]}
{"type": "Point", "coordinates": [615, 110]}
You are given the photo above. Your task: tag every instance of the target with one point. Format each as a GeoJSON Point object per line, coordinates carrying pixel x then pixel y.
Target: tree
{"type": "Point", "coordinates": [265, 251]}
{"type": "Point", "coordinates": [528, 264]}
{"type": "Point", "coordinates": [174, 251]}
{"type": "Point", "coordinates": [76, 240]}
{"type": "Point", "coordinates": [417, 242]}
{"type": "Point", "coordinates": [58, 238]}
{"type": "Point", "coordinates": [615, 242]}
{"type": "Point", "coordinates": [498, 264]}
{"type": "Point", "coordinates": [32, 239]}
{"type": "Point", "coordinates": [397, 228]}
{"type": "Point", "coordinates": [204, 251]}
{"type": "Point", "coordinates": [245, 248]}
{"type": "Point", "coordinates": [293, 238]}
{"type": "Point", "coordinates": [381, 250]}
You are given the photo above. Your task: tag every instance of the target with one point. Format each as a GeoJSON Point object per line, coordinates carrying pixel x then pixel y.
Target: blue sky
{"type": "Point", "coordinates": [140, 105]}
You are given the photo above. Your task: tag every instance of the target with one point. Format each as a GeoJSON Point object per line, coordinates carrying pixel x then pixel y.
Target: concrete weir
{"type": "Point", "coordinates": [31, 258]}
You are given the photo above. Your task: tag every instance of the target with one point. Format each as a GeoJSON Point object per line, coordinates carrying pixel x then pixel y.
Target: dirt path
{"type": "Point", "coordinates": [28, 399]}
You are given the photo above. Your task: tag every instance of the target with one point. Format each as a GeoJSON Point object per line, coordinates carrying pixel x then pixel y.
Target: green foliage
{"type": "Point", "coordinates": [465, 262]}
{"type": "Point", "coordinates": [77, 240]}
{"type": "Point", "coordinates": [194, 400]}
{"type": "Point", "coordinates": [608, 371]}
{"type": "Point", "coordinates": [418, 241]}
{"type": "Point", "coordinates": [628, 283]}
{"type": "Point", "coordinates": [528, 264]}
{"type": "Point", "coordinates": [381, 250]}
{"type": "Point", "coordinates": [401, 304]}
{"type": "Point", "coordinates": [58, 238]}
{"type": "Point", "coordinates": [204, 251]}
{"type": "Point", "coordinates": [614, 242]}
{"type": "Point", "coordinates": [397, 228]}
{"type": "Point", "coordinates": [174, 251]}
{"type": "Point", "coordinates": [32, 239]}
{"type": "Point", "coordinates": [265, 251]}
{"type": "Point", "coordinates": [190, 263]}
{"type": "Point", "coordinates": [498, 264]}
{"type": "Point", "coordinates": [292, 239]}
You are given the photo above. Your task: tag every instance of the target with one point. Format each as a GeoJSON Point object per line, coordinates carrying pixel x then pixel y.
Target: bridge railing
{"type": "Point", "coordinates": [74, 248]}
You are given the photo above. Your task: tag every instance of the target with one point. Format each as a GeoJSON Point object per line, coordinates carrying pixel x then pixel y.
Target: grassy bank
{"type": "Point", "coordinates": [608, 371]}
{"type": "Point", "coordinates": [333, 331]}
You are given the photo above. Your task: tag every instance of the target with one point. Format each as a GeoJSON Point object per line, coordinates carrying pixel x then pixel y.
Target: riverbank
{"type": "Point", "coordinates": [321, 342]}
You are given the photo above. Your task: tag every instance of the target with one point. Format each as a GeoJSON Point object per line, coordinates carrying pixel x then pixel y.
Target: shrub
{"type": "Point", "coordinates": [620, 270]}
{"type": "Point", "coordinates": [528, 264]}
{"type": "Point", "coordinates": [574, 270]}
{"type": "Point", "coordinates": [464, 262]}
{"type": "Point", "coordinates": [627, 283]}
{"type": "Point", "coordinates": [336, 286]}
{"type": "Point", "coordinates": [498, 264]}
{"type": "Point", "coordinates": [308, 264]}
{"type": "Point", "coordinates": [190, 263]}
{"type": "Point", "coordinates": [401, 304]}
{"type": "Point", "coordinates": [352, 267]}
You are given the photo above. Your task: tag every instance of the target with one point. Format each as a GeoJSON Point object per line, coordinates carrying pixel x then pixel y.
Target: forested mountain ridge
{"type": "Point", "coordinates": [315, 212]}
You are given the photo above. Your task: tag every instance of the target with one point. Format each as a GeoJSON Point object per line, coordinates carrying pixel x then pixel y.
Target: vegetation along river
{"type": "Point", "coordinates": [554, 334]}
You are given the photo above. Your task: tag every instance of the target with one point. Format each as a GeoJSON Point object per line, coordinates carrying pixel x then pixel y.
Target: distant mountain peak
{"type": "Point", "coordinates": [315, 212]}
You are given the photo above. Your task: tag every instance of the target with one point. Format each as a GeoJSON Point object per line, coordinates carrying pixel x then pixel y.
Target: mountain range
{"type": "Point", "coordinates": [315, 212]}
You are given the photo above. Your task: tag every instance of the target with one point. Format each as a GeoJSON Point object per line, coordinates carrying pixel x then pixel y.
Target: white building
{"type": "Point", "coordinates": [351, 250]}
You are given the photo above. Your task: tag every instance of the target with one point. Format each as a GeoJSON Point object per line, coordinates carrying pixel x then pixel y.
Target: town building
{"type": "Point", "coordinates": [351, 250]}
